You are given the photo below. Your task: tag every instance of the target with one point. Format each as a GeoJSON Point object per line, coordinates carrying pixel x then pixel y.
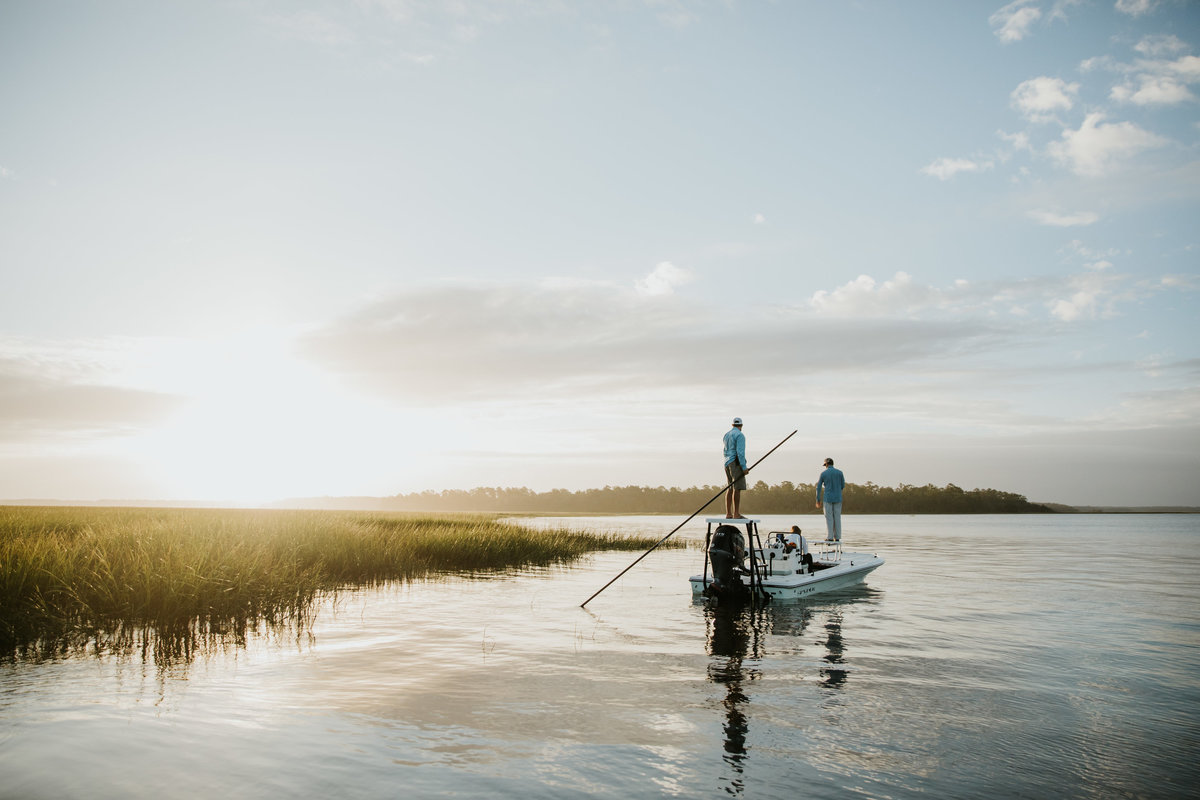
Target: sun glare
{"type": "Point", "coordinates": [258, 424]}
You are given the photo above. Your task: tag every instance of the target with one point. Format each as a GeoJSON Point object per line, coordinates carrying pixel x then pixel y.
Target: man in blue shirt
{"type": "Point", "coordinates": [829, 489]}
{"type": "Point", "coordinates": [735, 469]}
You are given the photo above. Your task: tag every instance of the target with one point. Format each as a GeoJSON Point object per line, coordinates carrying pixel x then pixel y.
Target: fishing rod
{"type": "Point", "coordinates": [685, 522]}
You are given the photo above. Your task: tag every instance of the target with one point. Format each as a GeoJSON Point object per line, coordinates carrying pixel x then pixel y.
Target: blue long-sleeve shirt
{"type": "Point", "coordinates": [735, 448]}
{"type": "Point", "coordinates": [832, 481]}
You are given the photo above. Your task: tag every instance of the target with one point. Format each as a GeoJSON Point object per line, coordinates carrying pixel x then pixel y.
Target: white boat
{"type": "Point", "coordinates": [787, 567]}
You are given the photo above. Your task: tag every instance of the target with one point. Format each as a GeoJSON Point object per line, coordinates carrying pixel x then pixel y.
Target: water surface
{"type": "Point", "coordinates": [991, 656]}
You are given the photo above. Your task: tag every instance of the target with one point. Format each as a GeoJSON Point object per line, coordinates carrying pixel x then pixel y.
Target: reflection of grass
{"type": "Point", "coordinates": [108, 569]}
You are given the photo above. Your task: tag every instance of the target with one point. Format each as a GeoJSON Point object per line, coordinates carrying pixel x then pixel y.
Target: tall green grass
{"type": "Point", "coordinates": [90, 570]}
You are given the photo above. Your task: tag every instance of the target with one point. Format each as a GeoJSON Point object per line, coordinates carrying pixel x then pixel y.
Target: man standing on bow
{"type": "Point", "coordinates": [735, 469]}
{"type": "Point", "coordinates": [829, 489]}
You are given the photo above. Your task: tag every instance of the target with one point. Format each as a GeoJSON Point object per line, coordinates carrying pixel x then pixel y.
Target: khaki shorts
{"type": "Point", "coordinates": [735, 475]}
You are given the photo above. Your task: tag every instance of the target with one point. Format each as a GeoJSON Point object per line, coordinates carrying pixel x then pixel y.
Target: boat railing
{"type": "Point", "coordinates": [828, 550]}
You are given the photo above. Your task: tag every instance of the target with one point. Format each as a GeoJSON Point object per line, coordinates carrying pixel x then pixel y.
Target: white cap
{"type": "Point", "coordinates": [737, 420]}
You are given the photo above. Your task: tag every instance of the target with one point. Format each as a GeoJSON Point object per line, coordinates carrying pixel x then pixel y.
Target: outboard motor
{"type": "Point", "coordinates": [727, 554]}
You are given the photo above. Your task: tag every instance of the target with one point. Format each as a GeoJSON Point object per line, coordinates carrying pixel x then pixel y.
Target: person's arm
{"type": "Point", "coordinates": [741, 452]}
{"type": "Point", "coordinates": [819, 479]}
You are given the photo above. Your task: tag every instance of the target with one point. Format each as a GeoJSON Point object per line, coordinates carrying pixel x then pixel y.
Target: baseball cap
{"type": "Point", "coordinates": [737, 420]}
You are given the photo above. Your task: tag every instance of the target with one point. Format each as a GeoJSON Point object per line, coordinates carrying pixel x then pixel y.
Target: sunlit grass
{"type": "Point", "coordinates": [101, 569]}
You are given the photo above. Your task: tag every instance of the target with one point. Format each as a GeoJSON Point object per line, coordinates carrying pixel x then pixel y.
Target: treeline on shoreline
{"type": "Point", "coordinates": [761, 498]}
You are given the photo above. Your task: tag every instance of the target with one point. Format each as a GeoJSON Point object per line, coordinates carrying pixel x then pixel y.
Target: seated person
{"type": "Point", "coordinates": [796, 540]}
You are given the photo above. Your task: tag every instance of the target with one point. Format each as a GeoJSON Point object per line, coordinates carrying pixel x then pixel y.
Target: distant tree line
{"type": "Point", "coordinates": [783, 498]}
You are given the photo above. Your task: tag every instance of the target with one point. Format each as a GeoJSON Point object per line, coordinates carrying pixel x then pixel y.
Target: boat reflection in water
{"type": "Point", "coordinates": [834, 675]}
{"type": "Point", "coordinates": [735, 636]}
{"type": "Point", "coordinates": [737, 640]}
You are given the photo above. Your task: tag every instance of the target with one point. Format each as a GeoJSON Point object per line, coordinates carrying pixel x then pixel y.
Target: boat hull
{"type": "Point", "coordinates": [849, 570]}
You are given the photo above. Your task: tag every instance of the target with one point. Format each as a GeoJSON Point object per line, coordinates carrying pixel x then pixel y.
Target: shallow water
{"type": "Point", "coordinates": [991, 656]}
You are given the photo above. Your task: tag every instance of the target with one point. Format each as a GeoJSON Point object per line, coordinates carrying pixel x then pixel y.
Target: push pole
{"type": "Point", "coordinates": [685, 522]}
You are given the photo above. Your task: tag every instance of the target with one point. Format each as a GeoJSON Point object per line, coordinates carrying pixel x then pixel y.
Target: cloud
{"type": "Point", "coordinates": [1037, 99]}
{"type": "Point", "coordinates": [1135, 8]}
{"type": "Point", "coordinates": [1160, 45]}
{"type": "Point", "coordinates": [1187, 68]}
{"type": "Point", "coordinates": [1012, 22]}
{"type": "Point", "coordinates": [903, 297]}
{"type": "Point", "coordinates": [1097, 147]}
{"type": "Point", "coordinates": [1152, 90]}
{"type": "Point", "coordinates": [1060, 220]}
{"type": "Point", "coordinates": [589, 343]}
{"type": "Point", "coordinates": [54, 393]}
{"type": "Point", "coordinates": [1077, 248]}
{"type": "Point", "coordinates": [1099, 293]}
{"type": "Point", "coordinates": [476, 342]}
{"type": "Point", "coordinates": [1184, 282]}
{"type": "Point", "coordinates": [1059, 10]}
{"type": "Point", "coordinates": [1158, 82]}
{"type": "Point", "coordinates": [946, 168]}
{"type": "Point", "coordinates": [663, 279]}
{"type": "Point", "coordinates": [1016, 141]}
{"type": "Point", "coordinates": [1094, 293]}
{"type": "Point", "coordinates": [759, 219]}
{"type": "Point", "coordinates": [864, 296]}
{"type": "Point", "coordinates": [1155, 80]}
{"type": "Point", "coordinates": [1091, 296]}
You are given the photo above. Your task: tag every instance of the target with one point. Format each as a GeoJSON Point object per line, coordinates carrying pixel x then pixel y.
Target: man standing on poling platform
{"type": "Point", "coordinates": [735, 469]}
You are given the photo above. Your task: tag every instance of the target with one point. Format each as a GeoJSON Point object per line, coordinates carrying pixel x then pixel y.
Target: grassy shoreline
{"type": "Point", "coordinates": [85, 571]}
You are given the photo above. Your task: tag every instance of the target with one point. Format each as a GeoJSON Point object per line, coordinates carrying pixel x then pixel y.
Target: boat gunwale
{"type": "Point", "coordinates": [816, 578]}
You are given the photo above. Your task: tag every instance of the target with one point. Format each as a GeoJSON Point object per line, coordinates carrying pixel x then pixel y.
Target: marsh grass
{"type": "Point", "coordinates": [191, 576]}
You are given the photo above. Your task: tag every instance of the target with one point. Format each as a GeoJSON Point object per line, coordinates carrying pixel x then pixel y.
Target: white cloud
{"type": "Point", "coordinates": [1135, 8]}
{"type": "Point", "coordinates": [1059, 10]}
{"type": "Point", "coordinates": [72, 389]}
{"type": "Point", "coordinates": [1090, 299]}
{"type": "Point", "coordinates": [864, 297]}
{"type": "Point", "coordinates": [1097, 292]}
{"type": "Point", "coordinates": [1155, 80]}
{"type": "Point", "coordinates": [1187, 68]}
{"type": "Point", "coordinates": [1017, 141]}
{"type": "Point", "coordinates": [946, 168]}
{"type": "Point", "coordinates": [663, 279]}
{"type": "Point", "coordinates": [1158, 46]}
{"type": "Point", "coordinates": [595, 343]}
{"type": "Point", "coordinates": [1012, 23]}
{"type": "Point", "coordinates": [1185, 282]}
{"type": "Point", "coordinates": [1151, 364]}
{"type": "Point", "coordinates": [1061, 220]}
{"type": "Point", "coordinates": [759, 219]}
{"type": "Point", "coordinates": [1151, 90]}
{"type": "Point", "coordinates": [1039, 98]}
{"type": "Point", "coordinates": [1077, 248]}
{"type": "Point", "coordinates": [1097, 146]}
{"type": "Point", "coordinates": [5, 172]}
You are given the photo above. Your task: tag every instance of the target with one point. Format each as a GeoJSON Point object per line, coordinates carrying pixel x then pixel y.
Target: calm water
{"type": "Point", "coordinates": [1041, 656]}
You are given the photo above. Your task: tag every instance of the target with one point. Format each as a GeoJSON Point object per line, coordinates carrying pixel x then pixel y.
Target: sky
{"type": "Point", "coordinates": [254, 250]}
